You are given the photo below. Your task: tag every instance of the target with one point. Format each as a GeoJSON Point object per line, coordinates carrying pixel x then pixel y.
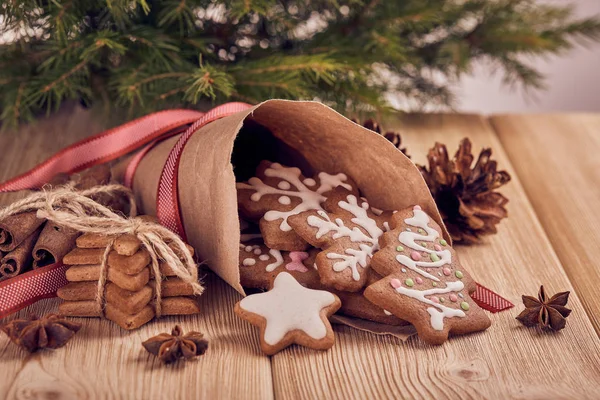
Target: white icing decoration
{"type": "Point", "coordinates": [386, 226]}
{"type": "Point", "coordinates": [439, 311]}
{"type": "Point", "coordinates": [408, 238]}
{"type": "Point", "coordinates": [386, 312]}
{"type": "Point", "coordinates": [263, 257]}
{"type": "Point", "coordinates": [285, 200]}
{"type": "Point", "coordinates": [289, 306]}
{"type": "Point", "coordinates": [310, 199]}
{"type": "Point", "coordinates": [369, 242]}
{"type": "Point", "coordinates": [284, 185]}
{"type": "Point", "coordinates": [403, 269]}
{"type": "Point", "coordinates": [245, 237]}
{"type": "Point", "coordinates": [461, 295]}
{"type": "Point", "coordinates": [278, 260]}
{"type": "Point", "coordinates": [376, 211]}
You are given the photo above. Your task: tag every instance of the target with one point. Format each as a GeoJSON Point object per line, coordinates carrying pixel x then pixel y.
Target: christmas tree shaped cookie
{"type": "Point", "coordinates": [423, 281]}
{"type": "Point", "coordinates": [278, 192]}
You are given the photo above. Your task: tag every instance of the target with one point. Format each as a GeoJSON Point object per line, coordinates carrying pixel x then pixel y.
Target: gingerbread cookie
{"type": "Point", "coordinates": [278, 192]}
{"type": "Point", "coordinates": [290, 313]}
{"type": "Point", "coordinates": [423, 281]}
{"type": "Point", "coordinates": [348, 231]}
{"type": "Point", "coordinates": [356, 305]}
{"type": "Point", "coordinates": [259, 265]}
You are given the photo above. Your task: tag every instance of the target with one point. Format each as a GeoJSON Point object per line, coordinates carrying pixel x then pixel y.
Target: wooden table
{"type": "Point", "coordinates": [552, 237]}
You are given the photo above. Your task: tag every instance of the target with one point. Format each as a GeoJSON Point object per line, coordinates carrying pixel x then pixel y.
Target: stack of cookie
{"type": "Point", "coordinates": [391, 267]}
{"type": "Point", "coordinates": [130, 289]}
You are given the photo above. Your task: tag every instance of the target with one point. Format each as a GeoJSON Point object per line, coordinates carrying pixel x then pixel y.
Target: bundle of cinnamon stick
{"type": "Point", "coordinates": [28, 242]}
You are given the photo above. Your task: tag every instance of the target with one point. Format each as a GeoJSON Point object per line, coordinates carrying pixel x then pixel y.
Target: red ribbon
{"type": "Point", "coordinates": [489, 300]}
{"type": "Point", "coordinates": [23, 290]}
{"type": "Point", "coordinates": [26, 289]}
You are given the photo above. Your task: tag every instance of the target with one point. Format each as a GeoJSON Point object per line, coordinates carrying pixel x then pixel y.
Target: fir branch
{"type": "Point", "coordinates": [350, 54]}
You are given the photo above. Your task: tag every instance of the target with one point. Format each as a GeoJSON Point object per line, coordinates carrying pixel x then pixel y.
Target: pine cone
{"type": "Point", "coordinates": [393, 137]}
{"type": "Point", "coordinates": [465, 197]}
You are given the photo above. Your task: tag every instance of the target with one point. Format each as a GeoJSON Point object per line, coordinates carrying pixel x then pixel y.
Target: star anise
{"type": "Point", "coordinates": [393, 137]}
{"type": "Point", "coordinates": [170, 348]}
{"type": "Point", "coordinates": [547, 313]}
{"type": "Point", "coordinates": [50, 331]}
{"type": "Point", "coordinates": [466, 196]}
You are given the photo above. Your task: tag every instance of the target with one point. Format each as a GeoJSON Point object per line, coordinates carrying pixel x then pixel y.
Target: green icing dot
{"type": "Point", "coordinates": [434, 283]}
{"type": "Point", "coordinates": [443, 242]}
{"type": "Point", "coordinates": [399, 248]}
{"type": "Point", "coordinates": [409, 282]}
{"type": "Point", "coordinates": [459, 274]}
{"type": "Point", "coordinates": [442, 300]}
{"type": "Point", "coordinates": [421, 231]}
{"type": "Point", "coordinates": [464, 305]}
{"type": "Point", "coordinates": [434, 257]}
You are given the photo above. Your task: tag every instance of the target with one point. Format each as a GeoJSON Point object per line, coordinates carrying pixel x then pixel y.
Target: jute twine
{"type": "Point", "coordinates": [74, 209]}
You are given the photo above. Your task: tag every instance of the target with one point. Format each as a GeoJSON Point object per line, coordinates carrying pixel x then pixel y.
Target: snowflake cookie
{"type": "Point", "coordinates": [278, 192]}
{"type": "Point", "coordinates": [290, 313]}
{"type": "Point", "coordinates": [348, 232]}
{"type": "Point", "coordinates": [423, 282]}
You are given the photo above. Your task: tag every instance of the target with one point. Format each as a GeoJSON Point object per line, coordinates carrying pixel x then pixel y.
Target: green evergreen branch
{"type": "Point", "coordinates": [350, 54]}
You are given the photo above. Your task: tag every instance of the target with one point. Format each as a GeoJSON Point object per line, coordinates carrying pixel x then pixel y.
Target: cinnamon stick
{"type": "Point", "coordinates": [19, 260]}
{"type": "Point", "coordinates": [53, 244]}
{"type": "Point", "coordinates": [16, 228]}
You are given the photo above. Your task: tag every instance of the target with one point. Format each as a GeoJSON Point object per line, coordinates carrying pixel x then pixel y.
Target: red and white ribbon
{"type": "Point", "coordinates": [23, 290]}
{"type": "Point", "coordinates": [101, 148]}
{"type": "Point", "coordinates": [489, 300]}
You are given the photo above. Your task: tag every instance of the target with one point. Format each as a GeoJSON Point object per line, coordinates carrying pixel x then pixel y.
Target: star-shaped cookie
{"type": "Point", "coordinates": [290, 313]}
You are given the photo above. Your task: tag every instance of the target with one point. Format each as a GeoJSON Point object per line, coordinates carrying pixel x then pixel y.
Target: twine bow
{"type": "Point", "coordinates": [75, 210]}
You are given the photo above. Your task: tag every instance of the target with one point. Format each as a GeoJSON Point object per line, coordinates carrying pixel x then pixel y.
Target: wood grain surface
{"type": "Point", "coordinates": [558, 160]}
{"type": "Point", "coordinates": [507, 361]}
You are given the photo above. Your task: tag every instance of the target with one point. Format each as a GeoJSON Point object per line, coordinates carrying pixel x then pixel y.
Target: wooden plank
{"type": "Point", "coordinates": [508, 360]}
{"type": "Point", "coordinates": [558, 159]}
{"type": "Point", "coordinates": [103, 361]}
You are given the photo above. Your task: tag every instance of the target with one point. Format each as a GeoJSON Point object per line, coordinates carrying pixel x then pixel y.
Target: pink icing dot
{"type": "Point", "coordinates": [435, 299]}
{"type": "Point", "coordinates": [395, 283]}
{"type": "Point", "coordinates": [418, 280]}
{"type": "Point", "coordinates": [437, 247]}
{"type": "Point", "coordinates": [415, 255]}
{"type": "Point", "coordinates": [446, 271]}
{"type": "Point", "coordinates": [296, 264]}
{"type": "Point", "coordinates": [453, 297]}
{"type": "Point", "coordinates": [416, 207]}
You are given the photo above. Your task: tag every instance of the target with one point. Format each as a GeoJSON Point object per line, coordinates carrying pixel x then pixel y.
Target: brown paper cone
{"type": "Point", "coordinates": [53, 244]}
{"type": "Point", "coordinates": [16, 228]}
{"type": "Point", "coordinates": [19, 260]}
{"type": "Point", "coordinates": [303, 134]}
